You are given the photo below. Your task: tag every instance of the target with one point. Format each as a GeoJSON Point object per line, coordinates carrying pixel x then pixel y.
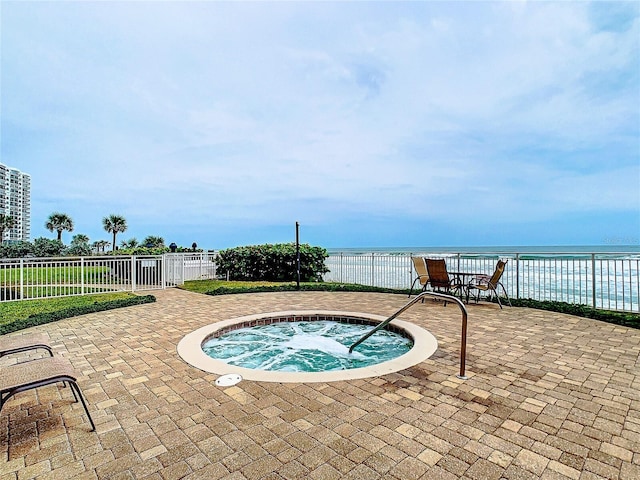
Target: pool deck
{"type": "Point", "coordinates": [548, 396]}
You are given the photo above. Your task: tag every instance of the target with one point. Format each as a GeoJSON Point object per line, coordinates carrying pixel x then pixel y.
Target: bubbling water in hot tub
{"type": "Point", "coordinates": [317, 346]}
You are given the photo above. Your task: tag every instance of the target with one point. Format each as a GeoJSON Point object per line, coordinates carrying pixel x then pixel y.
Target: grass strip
{"type": "Point", "coordinates": [228, 288]}
{"type": "Point", "coordinates": [28, 313]}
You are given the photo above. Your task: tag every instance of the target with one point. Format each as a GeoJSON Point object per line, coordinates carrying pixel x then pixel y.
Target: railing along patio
{"type": "Point", "coordinates": [608, 281]}
{"type": "Point", "coordinates": [31, 278]}
{"type": "Point", "coordinates": [602, 280]}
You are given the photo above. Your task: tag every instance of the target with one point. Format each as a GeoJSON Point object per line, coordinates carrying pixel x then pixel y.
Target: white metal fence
{"type": "Point", "coordinates": [30, 278]}
{"type": "Point", "coordinates": [182, 267]}
{"type": "Point", "coordinates": [605, 281]}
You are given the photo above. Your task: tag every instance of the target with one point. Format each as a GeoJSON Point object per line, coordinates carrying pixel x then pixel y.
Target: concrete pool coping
{"type": "Point", "coordinates": [190, 350]}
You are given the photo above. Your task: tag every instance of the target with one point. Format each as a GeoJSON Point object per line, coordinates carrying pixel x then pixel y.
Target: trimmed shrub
{"type": "Point", "coordinates": [305, 287]}
{"type": "Point", "coordinates": [273, 263]}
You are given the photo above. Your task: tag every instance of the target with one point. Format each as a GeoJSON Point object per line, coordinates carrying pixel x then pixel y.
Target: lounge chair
{"type": "Point", "coordinates": [38, 373]}
{"type": "Point", "coordinates": [422, 275]}
{"type": "Point", "coordinates": [23, 343]}
{"type": "Point", "coordinates": [485, 283]}
{"type": "Point", "coordinates": [439, 277]}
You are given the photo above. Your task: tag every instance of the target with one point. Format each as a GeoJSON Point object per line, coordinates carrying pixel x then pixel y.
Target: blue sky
{"type": "Point", "coordinates": [370, 123]}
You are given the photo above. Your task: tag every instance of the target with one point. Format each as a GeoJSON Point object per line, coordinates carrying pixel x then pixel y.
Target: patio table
{"type": "Point", "coordinates": [464, 280]}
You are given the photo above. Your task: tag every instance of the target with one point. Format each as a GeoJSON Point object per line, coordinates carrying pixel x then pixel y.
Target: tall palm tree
{"type": "Point", "coordinates": [7, 222]}
{"type": "Point", "coordinates": [59, 222]}
{"type": "Point", "coordinates": [114, 224]}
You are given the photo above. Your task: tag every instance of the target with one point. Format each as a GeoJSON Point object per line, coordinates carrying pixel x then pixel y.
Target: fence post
{"type": "Point", "coordinates": [133, 273]}
{"type": "Point", "coordinates": [21, 278]}
{"type": "Point", "coordinates": [81, 275]}
{"type": "Point", "coordinates": [593, 279]}
{"type": "Point", "coordinates": [410, 270]}
{"type": "Point", "coordinates": [163, 278]}
{"type": "Point", "coordinates": [517, 275]}
{"type": "Point", "coordinates": [373, 274]}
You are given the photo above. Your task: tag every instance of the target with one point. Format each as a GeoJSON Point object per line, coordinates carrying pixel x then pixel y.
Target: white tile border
{"type": "Point", "coordinates": [190, 349]}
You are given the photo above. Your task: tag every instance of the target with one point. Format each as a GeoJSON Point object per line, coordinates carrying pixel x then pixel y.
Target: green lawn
{"type": "Point", "coordinates": [53, 275]}
{"type": "Point", "coordinates": [222, 287]}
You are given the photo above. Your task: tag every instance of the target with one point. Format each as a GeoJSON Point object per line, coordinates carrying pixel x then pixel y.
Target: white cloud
{"type": "Point", "coordinates": [269, 110]}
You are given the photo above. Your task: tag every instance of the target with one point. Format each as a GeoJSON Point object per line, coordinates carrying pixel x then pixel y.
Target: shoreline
{"type": "Point", "coordinates": [494, 250]}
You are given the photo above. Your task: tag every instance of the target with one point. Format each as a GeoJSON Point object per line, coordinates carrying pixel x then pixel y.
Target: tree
{"type": "Point", "coordinates": [45, 247]}
{"type": "Point", "coordinates": [80, 238]}
{"type": "Point", "coordinates": [7, 222]}
{"type": "Point", "coordinates": [59, 222]}
{"type": "Point", "coordinates": [100, 245]}
{"type": "Point", "coordinates": [153, 242]}
{"type": "Point", "coordinates": [131, 243]}
{"type": "Point", "coordinates": [19, 249]}
{"type": "Point", "coordinates": [79, 246]}
{"type": "Point", "coordinates": [114, 224]}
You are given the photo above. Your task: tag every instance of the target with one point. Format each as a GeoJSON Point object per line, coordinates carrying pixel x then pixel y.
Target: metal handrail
{"type": "Point", "coordinates": [446, 298]}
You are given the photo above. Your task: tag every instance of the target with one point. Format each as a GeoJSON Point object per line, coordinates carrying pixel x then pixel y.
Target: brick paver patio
{"type": "Point", "coordinates": [549, 396]}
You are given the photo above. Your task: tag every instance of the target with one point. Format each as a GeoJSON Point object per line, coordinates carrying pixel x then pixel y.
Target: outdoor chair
{"type": "Point", "coordinates": [422, 275]}
{"type": "Point", "coordinates": [486, 283]}
{"type": "Point", "coordinates": [38, 373]}
{"type": "Point", "coordinates": [23, 343]}
{"type": "Point", "coordinates": [439, 277]}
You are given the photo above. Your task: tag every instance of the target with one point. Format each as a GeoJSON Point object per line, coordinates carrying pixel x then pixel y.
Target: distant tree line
{"type": "Point", "coordinates": [60, 222]}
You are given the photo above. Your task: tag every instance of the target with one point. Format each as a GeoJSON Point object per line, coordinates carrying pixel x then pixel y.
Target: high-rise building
{"type": "Point", "coordinates": [15, 201]}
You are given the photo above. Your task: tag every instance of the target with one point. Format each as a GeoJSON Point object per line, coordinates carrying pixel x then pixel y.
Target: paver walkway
{"type": "Point", "coordinates": [549, 396]}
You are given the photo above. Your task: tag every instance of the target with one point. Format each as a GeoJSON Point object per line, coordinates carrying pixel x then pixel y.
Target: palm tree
{"type": "Point", "coordinates": [7, 222]}
{"type": "Point", "coordinates": [153, 242]}
{"type": "Point", "coordinates": [80, 238]}
{"type": "Point", "coordinates": [131, 243]}
{"type": "Point", "coordinates": [100, 245]}
{"type": "Point", "coordinates": [114, 224]}
{"type": "Point", "coordinates": [59, 222]}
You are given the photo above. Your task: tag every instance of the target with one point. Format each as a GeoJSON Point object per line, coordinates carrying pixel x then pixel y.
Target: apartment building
{"type": "Point", "coordinates": [15, 200]}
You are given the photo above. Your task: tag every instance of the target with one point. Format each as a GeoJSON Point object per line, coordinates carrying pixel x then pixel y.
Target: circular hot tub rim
{"type": "Point", "coordinates": [190, 346]}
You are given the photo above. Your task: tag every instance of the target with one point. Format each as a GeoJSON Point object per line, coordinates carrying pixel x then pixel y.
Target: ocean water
{"type": "Point", "coordinates": [622, 250]}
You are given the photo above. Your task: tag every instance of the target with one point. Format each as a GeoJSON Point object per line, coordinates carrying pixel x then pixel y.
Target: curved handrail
{"type": "Point", "coordinates": [446, 298]}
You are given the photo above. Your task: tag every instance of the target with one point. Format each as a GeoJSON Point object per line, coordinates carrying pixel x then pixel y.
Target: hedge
{"type": "Point", "coordinates": [275, 263]}
{"type": "Point", "coordinates": [626, 319]}
{"type": "Point", "coordinates": [307, 287]}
